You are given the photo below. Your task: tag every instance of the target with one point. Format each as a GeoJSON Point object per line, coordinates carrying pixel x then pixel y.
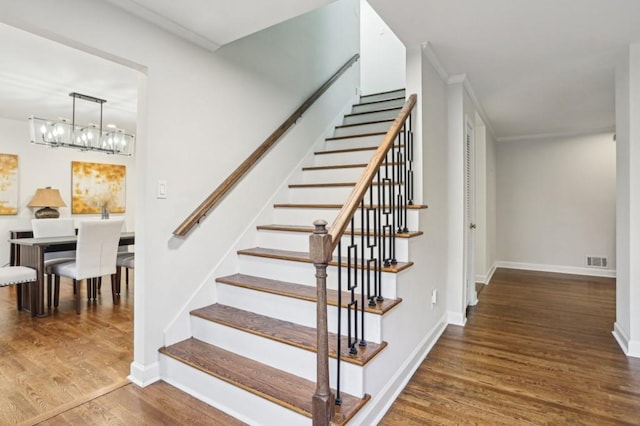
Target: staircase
{"type": "Point", "coordinates": [253, 353]}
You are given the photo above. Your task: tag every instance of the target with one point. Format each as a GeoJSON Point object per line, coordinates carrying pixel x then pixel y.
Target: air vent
{"type": "Point", "coordinates": [597, 262]}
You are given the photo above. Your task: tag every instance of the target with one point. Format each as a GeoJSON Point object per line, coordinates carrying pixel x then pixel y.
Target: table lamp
{"type": "Point", "coordinates": [47, 198]}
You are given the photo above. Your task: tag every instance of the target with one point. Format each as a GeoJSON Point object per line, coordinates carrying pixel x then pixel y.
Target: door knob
{"type": "Point", "coordinates": [472, 226]}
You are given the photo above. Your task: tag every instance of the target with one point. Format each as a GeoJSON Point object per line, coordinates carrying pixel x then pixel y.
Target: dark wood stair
{"type": "Point", "coordinates": [309, 230]}
{"type": "Point", "coordinates": [365, 123]}
{"type": "Point", "coordinates": [355, 136]}
{"type": "Point", "coordinates": [345, 150]}
{"type": "Point", "coordinates": [277, 386]}
{"type": "Point", "coordinates": [296, 256]}
{"type": "Point", "coordinates": [300, 291]}
{"type": "Point", "coordinates": [285, 332]}
{"type": "Point", "coordinates": [334, 206]}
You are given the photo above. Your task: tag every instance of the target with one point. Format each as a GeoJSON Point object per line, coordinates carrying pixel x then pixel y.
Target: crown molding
{"type": "Point", "coordinates": [541, 136]}
{"type": "Point", "coordinates": [165, 23]}
{"type": "Point", "coordinates": [435, 61]}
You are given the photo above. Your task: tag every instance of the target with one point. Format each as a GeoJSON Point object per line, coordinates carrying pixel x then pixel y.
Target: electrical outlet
{"type": "Point", "coordinates": [434, 296]}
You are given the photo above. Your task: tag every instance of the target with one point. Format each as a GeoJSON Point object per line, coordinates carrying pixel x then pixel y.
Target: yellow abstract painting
{"type": "Point", "coordinates": [8, 184]}
{"type": "Point", "coordinates": [96, 186]}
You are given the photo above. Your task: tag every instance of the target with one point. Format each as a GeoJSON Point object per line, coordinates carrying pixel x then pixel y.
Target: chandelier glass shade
{"type": "Point", "coordinates": [89, 137]}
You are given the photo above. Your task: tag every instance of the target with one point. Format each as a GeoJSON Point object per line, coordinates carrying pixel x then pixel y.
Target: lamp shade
{"type": "Point", "coordinates": [47, 198]}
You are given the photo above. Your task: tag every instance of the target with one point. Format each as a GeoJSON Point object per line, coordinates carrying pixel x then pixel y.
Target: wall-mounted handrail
{"type": "Point", "coordinates": [343, 218]}
{"type": "Point", "coordinates": [219, 193]}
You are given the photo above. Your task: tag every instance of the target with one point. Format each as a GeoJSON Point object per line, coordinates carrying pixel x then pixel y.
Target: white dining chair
{"type": "Point", "coordinates": [96, 254]}
{"type": "Point", "coordinates": [43, 228]}
{"type": "Point", "coordinates": [126, 261]}
{"type": "Point", "coordinates": [17, 275]}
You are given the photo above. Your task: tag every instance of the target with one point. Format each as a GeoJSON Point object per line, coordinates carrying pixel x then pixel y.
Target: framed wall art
{"type": "Point", "coordinates": [8, 184]}
{"type": "Point", "coordinates": [97, 186]}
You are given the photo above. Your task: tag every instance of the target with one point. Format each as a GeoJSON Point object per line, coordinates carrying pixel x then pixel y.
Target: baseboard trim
{"type": "Point", "coordinates": [629, 347]}
{"type": "Point", "coordinates": [608, 273]}
{"type": "Point", "coordinates": [456, 318]}
{"type": "Point", "coordinates": [374, 411]}
{"type": "Point", "coordinates": [144, 375]}
{"type": "Point", "coordinates": [486, 279]}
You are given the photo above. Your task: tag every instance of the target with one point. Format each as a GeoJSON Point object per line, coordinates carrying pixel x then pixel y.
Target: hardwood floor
{"type": "Point", "coordinates": [537, 349]}
{"type": "Point", "coordinates": [55, 370]}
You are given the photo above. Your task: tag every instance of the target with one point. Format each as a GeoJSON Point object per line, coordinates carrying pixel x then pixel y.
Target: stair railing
{"type": "Point", "coordinates": [387, 186]}
{"type": "Point", "coordinates": [221, 191]}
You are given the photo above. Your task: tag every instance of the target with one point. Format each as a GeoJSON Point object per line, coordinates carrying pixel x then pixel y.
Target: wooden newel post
{"type": "Point", "coordinates": [323, 400]}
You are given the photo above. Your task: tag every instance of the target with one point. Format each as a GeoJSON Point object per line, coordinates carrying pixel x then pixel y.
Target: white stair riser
{"type": "Point", "coordinates": [349, 157]}
{"type": "Point", "coordinates": [304, 273]}
{"type": "Point", "coordinates": [226, 397]}
{"type": "Point", "coordinates": [349, 174]}
{"type": "Point", "coordinates": [335, 194]}
{"type": "Point", "coordinates": [382, 126]}
{"type": "Point", "coordinates": [306, 217]}
{"type": "Point", "coordinates": [299, 241]}
{"type": "Point", "coordinates": [354, 142]}
{"type": "Point", "coordinates": [298, 311]}
{"type": "Point", "coordinates": [284, 357]}
{"type": "Point", "coordinates": [400, 93]}
{"type": "Point", "coordinates": [367, 107]}
{"type": "Point", "coordinates": [372, 116]}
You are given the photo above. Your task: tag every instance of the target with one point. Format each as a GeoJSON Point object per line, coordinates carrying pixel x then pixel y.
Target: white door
{"type": "Point", "coordinates": [469, 215]}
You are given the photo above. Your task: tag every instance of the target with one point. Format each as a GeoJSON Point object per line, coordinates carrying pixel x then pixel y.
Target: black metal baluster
{"type": "Point", "coordinates": [410, 162]}
{"type": "Point", "coordinates": [363, 271]}
{"type": "Point", "coordinates": [352, 282]}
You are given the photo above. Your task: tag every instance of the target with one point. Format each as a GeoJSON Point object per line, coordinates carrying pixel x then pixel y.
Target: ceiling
{"type": "Point", "coordinates": [537, 68]}
{"type": "Point", "coordinates": [37, 75]}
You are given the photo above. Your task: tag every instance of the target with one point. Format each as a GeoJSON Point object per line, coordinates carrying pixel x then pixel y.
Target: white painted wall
{"type": "Point", "coordinates": [199, 116]}
{"type": "Point", "coordinates": [485, 251]}
{"type": "Point", "coordinates": [383, 55]}
{"type": "Point", "coordinates": [40, 166]}
{"type": "Point", "coordinates": [556, 203]}
{"type": "Point", "coordinates": [627, 326]}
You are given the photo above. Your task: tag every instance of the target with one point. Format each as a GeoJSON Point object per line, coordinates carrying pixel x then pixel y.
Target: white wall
{"type": "Point", "coordinates": [383, 55]}
{"type": "Point", "coordinates": [40, 166]}
{"type": "Point", "coordinates": [199, 116]}
{"type": "Point", "coordinates": [627, 326]}
{"type": "Point", "coordinates": [556, 203]}
{"type": "Point", "coordinates": [485, 250]}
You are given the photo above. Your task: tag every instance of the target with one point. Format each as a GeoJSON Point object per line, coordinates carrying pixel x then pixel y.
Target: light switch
{"type": "Point", "coordinates": [162, 189]}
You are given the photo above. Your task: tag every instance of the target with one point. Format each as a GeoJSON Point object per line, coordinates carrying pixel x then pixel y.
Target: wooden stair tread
{"type": "Point", "coordinates": [341, 166]}
{"type": "Point", "coordinates": [334, 206]}
{"type": "Point", "coordinates": [296, 256]}
{"type": "Point", "coordinates": [397, 98]}
{"type": "Point", "coordinates": [365, 123]}
{"type": "Point", "coordinates": [309, 229]}
{"type": "Point", "coordinates": [383, 92]}
{"type": "Point", "coordinates": [336, 184]}
{"type": "Point", "coordinates": [285, 332]}
{"type": "Point", "coordinates": [345, 150]}
{"type": "Point", "coordinates": [373, 112]}
{"type": "Point", "coordinates": [300, 291]}
{"type": "Point", "coordinates": [357, 135]}
{"type": "Point", "coordinates": [277, 386]}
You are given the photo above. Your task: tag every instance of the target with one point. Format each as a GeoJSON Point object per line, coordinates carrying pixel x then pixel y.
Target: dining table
{"type": "Point", "coordinates": [29, 251]}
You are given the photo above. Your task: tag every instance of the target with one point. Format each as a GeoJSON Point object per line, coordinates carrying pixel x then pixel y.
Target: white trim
{"type": "Point", "coordinates": [144, 375]}
{"type": "Point", "coordinates": [464, 80]}
{"type": "Point", "coordinates": [435, 61]}
{"type": "Point", "coordinates": [486, 279]}
{"type": "Point", "coordinates": [629, 347]}
{"type": "Point", "coordinates": [387, 396]}
{"type": "Point", "coordinates": [611, 273]}
{"type": "Point", "coordinates": [538, 136]}
{"type": "Point", "coordinates": [163, 22]}
{"type": "Point", "coordinates": [456, 318]}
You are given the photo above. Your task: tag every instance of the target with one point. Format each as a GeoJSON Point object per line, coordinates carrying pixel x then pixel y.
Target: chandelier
{"type": "Point", "coordinates": [90, 137]}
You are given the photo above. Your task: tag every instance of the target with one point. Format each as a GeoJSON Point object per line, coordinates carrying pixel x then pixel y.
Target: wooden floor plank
{"type": "Point", "coordinates": [285, 332]}
{"type": "Point", "coordinates": [537, 349]}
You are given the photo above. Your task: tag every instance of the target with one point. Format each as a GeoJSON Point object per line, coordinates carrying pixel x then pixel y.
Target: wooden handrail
{"type": "Point", "coordinates": [355, 198]}
{"type": "Point", "coordinates": [222, 190]}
